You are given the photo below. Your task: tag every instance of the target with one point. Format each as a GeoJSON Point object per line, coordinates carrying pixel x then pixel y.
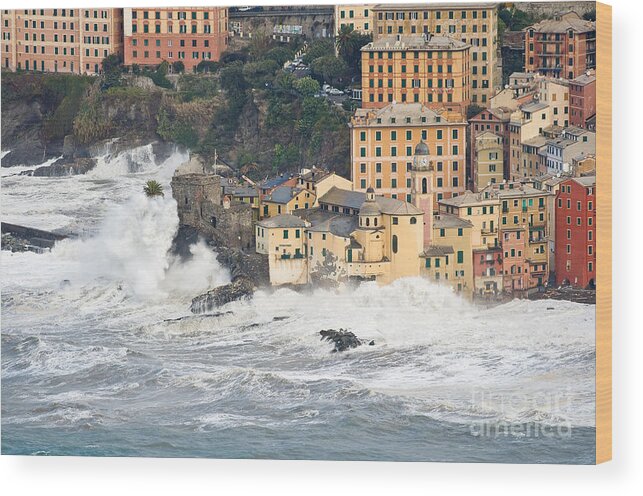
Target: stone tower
{"type": "Point", "coordinates": [422, 187]}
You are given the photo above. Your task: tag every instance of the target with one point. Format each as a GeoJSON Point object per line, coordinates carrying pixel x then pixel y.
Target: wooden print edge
{"type": "Point", "coordinates": [604, 233]}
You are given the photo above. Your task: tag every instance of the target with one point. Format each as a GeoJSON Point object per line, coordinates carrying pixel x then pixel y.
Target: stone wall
{"type": "Point", "coordinates": [548, 9]}
{"type": "Point", "coordinates": [200, 205]}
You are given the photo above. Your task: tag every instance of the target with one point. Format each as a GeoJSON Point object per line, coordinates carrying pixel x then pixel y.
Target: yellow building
{"type": "Point", "coordinates": [482, 211]}
{"type": "Point", "coordinates": [475, 24]}
{"type": "Point", "coordinates": [282, 239]}
{"type": "Point", "coordinates": [383, 143]}
{"type": "Point", "coordinates": [427, 69]}
{"type": "Point", "coordinates": [358, 17]}
{"type": "Point", "coordinates": [319, 181]}
{"type": "Point", "coordinates": [488, 160]}
{"type": "Point", "coordinates": [60, 40]}
{"type": "Point", "coordinates": [286, 199]}
{"type": "Point", "coordinates": [555, 93]}
{"type": "Point", "coordinates": [449, 257]}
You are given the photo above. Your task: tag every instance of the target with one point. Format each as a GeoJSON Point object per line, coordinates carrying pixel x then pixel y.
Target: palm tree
{"type": "Point", "coordinates": [153, 188]}
{"type": "Point", "coordinates": [346, 42]}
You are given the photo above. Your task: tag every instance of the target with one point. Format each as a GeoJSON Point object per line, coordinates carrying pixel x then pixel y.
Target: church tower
{"type": "Point", "coordinates": [422, 187]}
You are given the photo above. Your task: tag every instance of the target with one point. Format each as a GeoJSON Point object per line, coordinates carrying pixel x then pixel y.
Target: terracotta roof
{"type": "Point", "coordinates": [449, 220]}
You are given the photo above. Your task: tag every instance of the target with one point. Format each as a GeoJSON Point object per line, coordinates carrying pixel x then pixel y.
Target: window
{"type": "Point", "coordinates": [394, 243]}
{"type": "Point", "coordinates": [285, 233]}
{"type": "Point", "coordinates": [460, 257]}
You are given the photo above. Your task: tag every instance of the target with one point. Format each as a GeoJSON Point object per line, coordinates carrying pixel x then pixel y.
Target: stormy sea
{"type": "Point", "coordinates": [101, 355]}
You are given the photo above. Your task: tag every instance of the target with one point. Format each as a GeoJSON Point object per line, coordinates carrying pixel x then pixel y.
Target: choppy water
{"type": "Point", "coordinates": [112, 363]}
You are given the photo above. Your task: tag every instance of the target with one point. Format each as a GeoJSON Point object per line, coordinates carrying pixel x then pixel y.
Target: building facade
{"type": "Point", "coordinates": [431, 70]}
{"type": "Point", "coordinates": [582, 100]}
{"type": "Point", "coordinates": [475, 24]}
{"type": "Point", "coordinates": [383, 145]}
{"type": "Point", "coordinates": [186, 34]}
{"type": "Point", "coordinates": [60, 40]}
{"type": "Point", "coordinates": [561, 47]}
{"type": "Point", "coordinates": [358, 17]}
{"type": "Point", "coordinates": [576, 232]}
{"type": "Point", "coordinates": [488, 160]}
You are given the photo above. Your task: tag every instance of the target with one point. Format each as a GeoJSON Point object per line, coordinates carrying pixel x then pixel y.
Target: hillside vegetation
{"type": "Point", "coordinates": [245, 108]}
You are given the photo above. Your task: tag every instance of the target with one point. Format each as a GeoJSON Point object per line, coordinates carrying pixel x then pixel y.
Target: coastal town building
{"type": "Point", "coordinates": [174, 34]}
{"type": "Point", "coordinates": [286, 199]}
{"type": "Point", "coordinates": [488, 160]}
{"type": "Point", "coordinates": [572, 142]}
{"type": "Point", "coordinates": [359, 17]}
{"type": "Point", "coordinates": [452, 238]}
{"type": "Point", "coordinates": [348, 235]}
{"type": "Point", "coordinates": [428, 69]}
{"type": "Point", "coordinates": [282, 239]}
{"type": "Point", "coordinates": [522, 233]}
{"type": "Point", "coordinates": [319, 181]}
{"type": "Point", "coordinates": [564, 46]}
{"type": "Point", "coordinates": [383, 145]}
{"type": "Point", "coordinates": [582, 100]}
{"type": "Point", "coordinates": [529, 121]}
{"type": "Point", "coordinates": [60, 40]}
{"type": "Point", "coordinates": [495, 120]}
{"type": "Point", "coordinates": [576, 232]}
{"type": "Point", "coordinates": [482, 211]}
{"type": "Point", "coordinates": [475, 24]}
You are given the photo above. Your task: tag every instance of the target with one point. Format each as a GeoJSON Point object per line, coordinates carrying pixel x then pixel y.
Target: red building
{"type": "Point", "coordinates": [562, 47]}
{"type": "Point", "coordinates": [582, 100]}
{"type": "Point", "coordinates": [487, 271]}
{"type": "Point", "coordinates": [186, 34]}
{"type": "Point", "coordinates": [495, 120]}
{"type": "Point", "coordinates": [576, 232]}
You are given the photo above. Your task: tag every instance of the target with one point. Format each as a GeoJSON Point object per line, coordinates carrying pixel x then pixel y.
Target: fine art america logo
{"type": "Point", "coordinates": [534, 415]}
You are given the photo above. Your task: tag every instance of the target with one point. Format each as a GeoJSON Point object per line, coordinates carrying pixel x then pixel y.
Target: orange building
{"type": "Point", "coordinates": [60, 40]}
{"type": "Point", "coordinates": [383, 146]}
{"type": "Point", "coordinates": [187, 34]}
{"type": "Point", "coordinates": [426, 69]}
{"type": "Point", "coordinates": [561, 47]}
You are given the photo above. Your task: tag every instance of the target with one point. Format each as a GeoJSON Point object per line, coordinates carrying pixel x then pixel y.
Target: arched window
{"type": "Point", "coordinates": [424, 186]}
{"type": "Point", "coordinates": [414, 220]}
{"type": "Point", "coordinates": [394, 243]}
{"type": "Point", "coordinates": [368, 222]}
{"type": "Point", "coordinates": [375, 221]}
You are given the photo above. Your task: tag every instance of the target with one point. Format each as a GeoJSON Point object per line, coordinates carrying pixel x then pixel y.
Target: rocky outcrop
{"type": "Point", "coordinates": [342, 339]}
{"type": "Point", "coordinates": [22, 238]}
{"type": "Point", "coordinates": [239, 289]}
{"type": "Point", "coordinates": [64, 167]}
{"type": "Point", "coordinates": [246, 265]}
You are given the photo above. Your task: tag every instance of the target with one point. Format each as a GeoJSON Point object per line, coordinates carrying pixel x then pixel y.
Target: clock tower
{"type": "Point", "coordinates": [422, 180]}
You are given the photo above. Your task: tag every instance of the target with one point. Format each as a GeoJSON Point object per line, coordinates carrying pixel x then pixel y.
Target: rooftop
{"type": "Point", "coordinates": [562, 24]}
{"type": "Point", "coordinates": [443, 221]}
{"type": "Point", "coordinates": [284, 220]}
{"type": "Point", "coordinates": [275, 181]}
{"type": "Point", "coordinates": [586, 181]}
{"type": "Point", "coordinates": [435, 6]}
{"type": "Point", "coordinates": [437, 251]}
{"type": "Point", "coordinates": [355, 199]}
{"type": "Point", "coordinates": [411, 42]}
{"type": "Point", "coordinates": [533, 106]}
{"type": "Point", "coordinates": [282, 194]}
{"type": "Point", "coordinates": [468, 198]}
{"type": "Point", "coordinates": [339, 225]}
{"type": "Point", "coordinates": [403, 114]}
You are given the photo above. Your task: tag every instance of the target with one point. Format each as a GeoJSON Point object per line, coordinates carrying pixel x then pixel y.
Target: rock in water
{"type": "Point", "coordinates": [238, 289]}
{"type": "Point", "coordinates": [342, 339]}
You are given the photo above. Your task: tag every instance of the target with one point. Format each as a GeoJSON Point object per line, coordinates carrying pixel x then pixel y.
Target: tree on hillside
{"type": "Point", "coordinates": [349, 43]}
{"type": "Point", "coordinates": [153, 188]}
{"type": "Point", "coordinates": [318, 48]}
{"type": "Point", "coordinates": [516, 19]}
{"type": "Point", "coordinates": [112, 66]}
{"type": "Point", "coordinates": [328, 68]}
{"type": "Point", "coordinates": [306, 86]}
